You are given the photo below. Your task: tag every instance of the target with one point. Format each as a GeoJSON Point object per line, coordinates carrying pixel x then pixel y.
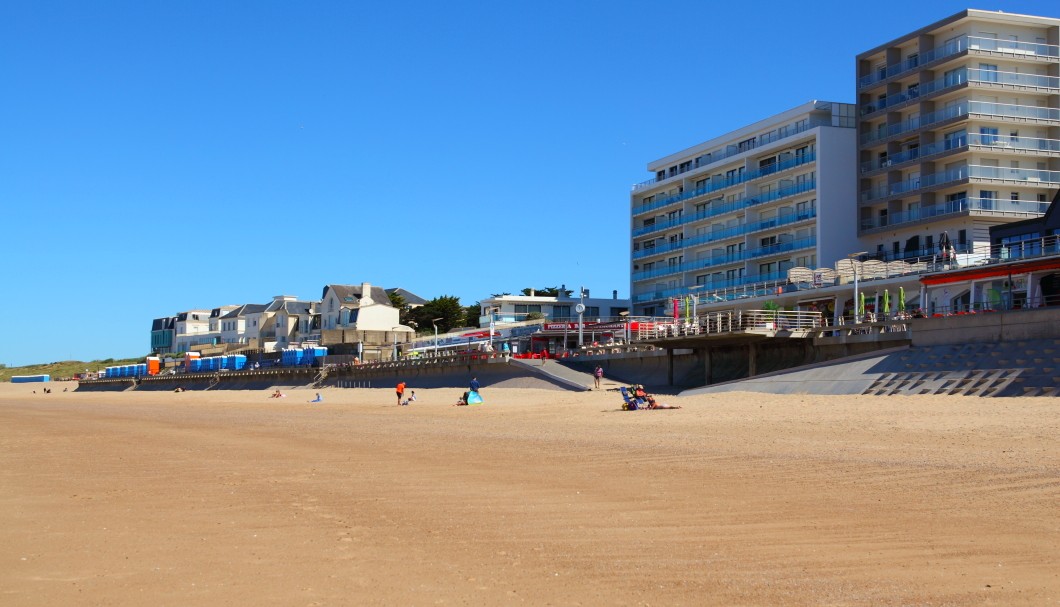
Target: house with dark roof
{"type": "Point", "coordinates": [242, 324]}
{"type": "Point", "coordinates": [411, 299]}
{"type": "Point", "coordinates": [361, 319]}
{"type": "Point", "coordinates": [288, 322]}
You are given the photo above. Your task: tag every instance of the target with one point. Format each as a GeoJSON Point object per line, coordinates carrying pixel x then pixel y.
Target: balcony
{"type": "Point", "coordinates": [728, 258]}
{"type": "Point", "coordinates": [735, 150]}
{"type": "Point", "coordinates": [717, 235]}
{"type": "Point", "coordinates": [1025, 177]}
{"type": "Point", "coordinates": [987, 46]}
{"type": "Point", "coordinates": [990, 78]}
{"type": "Point", "coordinates": [1021, 113]}
{"type": "Point", "coordinates": [987, 206]}
{"type": "Point", "coordinates": [996, 143]}
{"type": "Point", "coordinates": [730, 207]}
{"type": "Point", "coordinates": [721, 184]}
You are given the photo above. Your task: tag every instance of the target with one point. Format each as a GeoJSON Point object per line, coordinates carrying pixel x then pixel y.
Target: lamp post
{"type": "Point", "coordinates": [394, 329]}
{"type": "Point", "coordinates": [434, 321]}
{"type": "Point", "coordinates": [625, 319]}
{"type": "Point", "coordinates": [580, 309]}
{"type": "Point", "coordinates": [853, 265]}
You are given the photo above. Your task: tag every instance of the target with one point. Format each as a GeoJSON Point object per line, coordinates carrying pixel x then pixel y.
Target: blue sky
{"type": "Point", "coordinates": [158, 157]}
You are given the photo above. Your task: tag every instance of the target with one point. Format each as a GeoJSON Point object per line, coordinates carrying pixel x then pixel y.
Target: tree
{"type": "Point", "coordinates": [547, 292]}
{"type": "Point", "coordinates": [446, 307]}
{"type": "Point", "coordinates": [472, 313]}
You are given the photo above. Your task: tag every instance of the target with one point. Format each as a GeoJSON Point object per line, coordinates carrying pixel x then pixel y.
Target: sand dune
{"type": "Point", "coordinates": [538, 497]}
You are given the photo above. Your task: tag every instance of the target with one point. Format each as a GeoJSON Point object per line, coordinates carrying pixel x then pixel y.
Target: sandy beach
{"type": "Point", "coordinates": [538, 497]}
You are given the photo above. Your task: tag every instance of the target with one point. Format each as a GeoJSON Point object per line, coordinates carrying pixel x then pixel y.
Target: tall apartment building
{"type": "Point", "coordinates": [958, 130]}
{"type": "Point", "coordinates": [745, 207]}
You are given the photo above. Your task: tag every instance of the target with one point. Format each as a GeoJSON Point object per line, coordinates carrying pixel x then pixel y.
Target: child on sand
{"type": "Point", "coordinates": [410, 399]}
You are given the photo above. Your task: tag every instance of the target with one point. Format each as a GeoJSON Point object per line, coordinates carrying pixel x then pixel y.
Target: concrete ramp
{"type": "Point", "coordinates": [851, 375]}
{"type": "Point", "coordinates": [555, 372]}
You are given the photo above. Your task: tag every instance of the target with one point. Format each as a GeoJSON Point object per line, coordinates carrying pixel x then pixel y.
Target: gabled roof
{"type": "Point", "coordinates": [350, 295]}
{"type": "Point", "coordinates": [245, 309]}
{"type": "Point", "coordinates": [410, 298]}
{"type": "Point", "coordinates": [291, 307]}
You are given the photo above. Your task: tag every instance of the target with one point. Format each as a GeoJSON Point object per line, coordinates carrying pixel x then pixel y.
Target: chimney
{"type": "Point", "coordinates": [614, 294]}
{"type": "Point", "coordinates": [586, 291]}
{"type": "Point", "coordinates": [532, 292]}
{"type": "Point", "coordinates": [366, 294]}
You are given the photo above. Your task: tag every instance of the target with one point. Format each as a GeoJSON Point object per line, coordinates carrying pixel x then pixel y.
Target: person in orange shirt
{"type": "Point", "coordinates": [400, 391]}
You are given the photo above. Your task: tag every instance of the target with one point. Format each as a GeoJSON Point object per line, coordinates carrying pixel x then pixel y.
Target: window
{"type": "Point", "coordinates": [674, 216]}
{"type": "Point", "coordinates": [883, 217]}
{"type": "Point", "coordinates": [746, 144]}
{"type": "Point", "coordinates": [649, 222]}
{"type": "Point", "coordinates": [768, 241]}
{"type": "Point", "coordinates": [954, 77]}
{"type": "Point", "coordinates": [560, 311]}
{"type": "Point", "coordinates": [1015, 196]}
{"type": "Point", "coordinates": [955, 139]}
{"type": "Point", "coordinates": [988, 135]}
{"type": "Point", "coordinates": [765, 269]}
{"type": "Point", "coordinates": [987, 72]}
{"type": "Point", "coordinates": [673, 262]}
{"type": "Point", "coordinates": [527, 308]}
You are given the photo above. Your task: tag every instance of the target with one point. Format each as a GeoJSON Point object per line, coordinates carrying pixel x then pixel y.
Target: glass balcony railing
{"type": "Point", "coordinates": [1025, 144]}
{"type": "Point", "coordinates": [722, 234]}
{"type": "Point", "coordinates": [664, 294]}
{"type": "Point", "coordinates": [731, 206]}
{"type": "Point", "coordinates": [961, 205]}
{"type": "Point", "coordinates": [964, 43]}
{"type": "Point", "coordinates": [996, 142]}
{"type": "Point", "coordinates": [983, 108]}
{"type": "Point", "coordinates": [1027, 176]}
{"type": "Point", "coordinates": [979, 76]}
{"type": "Point", "coordinates": [726, 258]}
{"type": "Point", "coordinates": [717, 185]}
{"type": "Point", "coordinates": [735, 150]}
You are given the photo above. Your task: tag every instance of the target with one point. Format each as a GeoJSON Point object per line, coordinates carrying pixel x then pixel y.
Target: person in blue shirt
{"type": "Point", "coordinates": [474, 384]}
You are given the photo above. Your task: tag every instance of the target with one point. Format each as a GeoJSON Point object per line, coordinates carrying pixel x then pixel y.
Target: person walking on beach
{"type": "Point", "coordinates": [400, 391]}
{"type": "Point", "coordinates": [598, 373]}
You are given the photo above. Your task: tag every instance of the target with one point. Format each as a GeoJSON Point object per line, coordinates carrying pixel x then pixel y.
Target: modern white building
{"type": "Point", "coordinates": [958, 130]}
{"type": "Point", "coordinates": [507, 309]}
{"type": "Point", "coordinates": [745, 207]}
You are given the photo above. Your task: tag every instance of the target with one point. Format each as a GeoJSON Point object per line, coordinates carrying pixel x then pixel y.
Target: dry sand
{"type": "Point", "coordinates": [538, 497]}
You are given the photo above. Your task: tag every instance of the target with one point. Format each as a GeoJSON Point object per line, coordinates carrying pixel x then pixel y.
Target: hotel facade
{"type": "Point", "coordinates": [745, 207]}
{"type": "Point", "coordinates": [958, 130]}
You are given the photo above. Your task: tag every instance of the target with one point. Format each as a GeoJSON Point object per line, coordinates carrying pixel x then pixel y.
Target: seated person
{"type": "Point", "coordinates": [462, 401]}
{"type": "Point", "coordinates": [410, 399]}
{"type": "Point", "coordinates": [652, 403]}
{"type": "Point", "coordinates": [318, 399]}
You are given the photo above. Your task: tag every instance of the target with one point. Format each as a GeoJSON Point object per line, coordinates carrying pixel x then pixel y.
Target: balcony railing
{"type": "Point", "coordinates": [1029, 177]}
{"type": "Point", "coordinates": [964, 43]}
{"type": "Point", "coordinates": [728, 258]}
{"type": "Point", "coordinates": [748, 228]}
{"type": "Point", "coordinates": [735, 150]}
{"type": "Point", "coordinates": [996, 142]}
{"type": "Point", "coordinates": [962, 205]}
{"type": "Point", "coordinates": [716, 185]}
{"type": "Point", "coordinates": [731, 206]}
{"type": "Point", "coordinates": [998, 110]}
{"type": "Point", "coordinates": [955, 79]}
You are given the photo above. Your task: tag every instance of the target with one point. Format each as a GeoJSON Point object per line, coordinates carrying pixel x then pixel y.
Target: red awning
{"type": "Point", "coordinates": [981, 272]}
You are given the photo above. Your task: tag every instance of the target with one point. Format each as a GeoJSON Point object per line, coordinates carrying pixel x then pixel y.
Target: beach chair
{"type": "Point", "coordinates": [632, 404]}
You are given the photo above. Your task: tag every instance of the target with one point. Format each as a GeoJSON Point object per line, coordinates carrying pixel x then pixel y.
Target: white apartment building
{"type": "Point", "coordinates": [958, 130]}
{"type": "Point", "coordinates": [746, 207]}
{"type": "Point", "coordinates": [507, 309]}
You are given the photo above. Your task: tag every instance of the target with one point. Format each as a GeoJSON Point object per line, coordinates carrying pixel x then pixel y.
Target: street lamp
{"type": "Point", "coordinates": [853, 259]}
{"type": "Point", "coordinates": [580, 309]}
{"type": "Point", "coordinates": [625, 319]}
{"type": "Point", "coordinates": [434, 321]}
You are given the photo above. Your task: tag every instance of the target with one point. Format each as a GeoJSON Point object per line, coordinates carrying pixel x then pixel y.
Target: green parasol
{"type": "Point", "coordinates": [861, 303]}
{"type": "Point", "coordinates": [901, 299]}
{"type": "Point", "coordinates": [886, 302]}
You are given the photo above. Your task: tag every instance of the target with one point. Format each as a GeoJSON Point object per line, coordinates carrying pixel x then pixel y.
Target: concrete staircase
{"type": "Point", "coordinates": [1018, 368]}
